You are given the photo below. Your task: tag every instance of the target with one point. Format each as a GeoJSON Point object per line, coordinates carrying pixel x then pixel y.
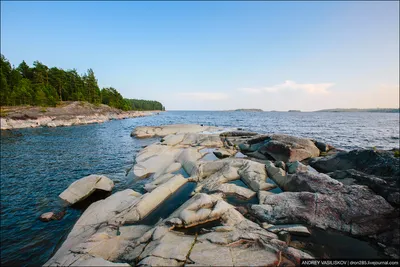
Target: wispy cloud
{"type": "Point", "coordinates": [204, 96]}
{"type": "Point", "coordinates": [311, 88]}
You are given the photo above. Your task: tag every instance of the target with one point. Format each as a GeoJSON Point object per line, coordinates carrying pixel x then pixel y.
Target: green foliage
{"type": "Point", "coordinates": [139, 104]}
{"type": "Point", "coordinates": [397, 154]}
{"type": "Point", "coordinates": [43, 86]}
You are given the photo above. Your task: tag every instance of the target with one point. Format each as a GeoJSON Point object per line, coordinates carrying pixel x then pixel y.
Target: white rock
{"type": "Point", "coordinates": [85, 186]}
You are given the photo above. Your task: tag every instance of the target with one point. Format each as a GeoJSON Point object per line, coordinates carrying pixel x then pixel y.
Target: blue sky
{"type": "Point", "coordinates": [218, 55]}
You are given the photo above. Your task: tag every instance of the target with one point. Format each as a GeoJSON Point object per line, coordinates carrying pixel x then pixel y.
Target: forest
{"type": "Point", "coordinates": [43, 86]}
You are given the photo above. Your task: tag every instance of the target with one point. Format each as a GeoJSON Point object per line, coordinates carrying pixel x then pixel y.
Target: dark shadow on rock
{"type": "Point", "coordinates": [95, 196]}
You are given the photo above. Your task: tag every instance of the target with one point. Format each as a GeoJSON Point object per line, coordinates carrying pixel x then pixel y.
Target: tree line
{"type": "Point", "coordinates": [43, 86]}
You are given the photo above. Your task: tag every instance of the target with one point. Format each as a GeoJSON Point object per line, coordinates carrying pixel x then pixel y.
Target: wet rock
{"type": "Point", "coordinates": [84, 187]}
{"type": "Point", "coordinates": [164, 130]}
{"type": "Point", "coordinates": [381, 163]}
{"type": "Point", "coordinates": [47, 216]}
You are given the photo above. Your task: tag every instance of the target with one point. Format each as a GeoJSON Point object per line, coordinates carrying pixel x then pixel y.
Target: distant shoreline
{"type": "Point", "coordinates": [378, 110]}
{"type": "Point", "coordinates": [68, 114]}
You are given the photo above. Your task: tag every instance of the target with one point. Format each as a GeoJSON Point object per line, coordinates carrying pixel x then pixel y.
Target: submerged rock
{"type": "Point", "coordinates": [84, 187]}
{"type": "Point", "coordinates": [50, 216]}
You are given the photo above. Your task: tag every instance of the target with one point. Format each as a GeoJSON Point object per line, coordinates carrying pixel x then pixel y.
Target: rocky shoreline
{"type": "Point", "coordinates": [287, 186]}
{"type": "Point", "coordinates": [75, 113]}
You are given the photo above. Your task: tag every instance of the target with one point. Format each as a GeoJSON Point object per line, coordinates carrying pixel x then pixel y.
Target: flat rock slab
{"type": "Point", "coordinates": [164, 130]}
{"type": "Point", "coordinates": [96, 215]}
{"type": "Point", "coordinates": [84, 187]}
{"type": "Point", "coordinates": [237, 190]}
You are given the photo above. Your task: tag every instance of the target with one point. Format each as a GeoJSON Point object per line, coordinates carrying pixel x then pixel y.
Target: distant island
{"type": "Point", "coordinates": [294, 110]}
{"type": "Point", "coordinates": [249, 109]}
{"type": "Point", "coordinates": [382, 110]}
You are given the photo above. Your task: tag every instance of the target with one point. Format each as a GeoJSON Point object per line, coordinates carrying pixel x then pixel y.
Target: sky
{"type": "Point", "coordinates": [218, 55]}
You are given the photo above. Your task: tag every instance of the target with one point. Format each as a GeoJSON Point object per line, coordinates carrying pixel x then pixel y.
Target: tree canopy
{"type": "Point", "coordinates": [43, 86]}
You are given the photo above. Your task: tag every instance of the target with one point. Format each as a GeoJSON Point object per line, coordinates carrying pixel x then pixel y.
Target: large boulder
{"type": "Point", "coordinates": [84, 187]}
{"type": "Point", "coordinates": [282, 147]}
{"type": "Point", "coordinates": [164, 130]}
{"type": "Point", "coordinates": [355, 210]}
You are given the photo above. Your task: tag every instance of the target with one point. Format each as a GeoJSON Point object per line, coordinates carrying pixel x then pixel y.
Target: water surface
{"type": "Point", "coordinates": [38, 164]}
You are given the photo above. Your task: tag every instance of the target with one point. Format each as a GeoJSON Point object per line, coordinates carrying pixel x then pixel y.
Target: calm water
{"type": "Point", "coordinates": [38, 164]}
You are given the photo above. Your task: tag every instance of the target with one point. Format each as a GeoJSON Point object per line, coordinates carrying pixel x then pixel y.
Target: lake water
{"type": "Point", "coordinates": [38, 164]}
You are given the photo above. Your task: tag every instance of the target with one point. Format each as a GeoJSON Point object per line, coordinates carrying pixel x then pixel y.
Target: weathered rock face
{"type": "Point", "coordinates": [84, 187]}
{"type": "Point", "coordinates": [282, 147]}
{"type": "Point", "coordinates": [326, 203]}
{"type": "Point", "coordinates": [387, 187]}
{"type": "Point", "coordinates": [150, 201]}
{"type": "Point", "coordinates": [211, 175]}
{"type": "Point", "coordinates": [164, 130]}
{"type": "Point", "coordinates": [183, 149]}
{"type": "Point", "coordinates": [93, 220]}
{"type": "Point", "coordinates": [381, 163]}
